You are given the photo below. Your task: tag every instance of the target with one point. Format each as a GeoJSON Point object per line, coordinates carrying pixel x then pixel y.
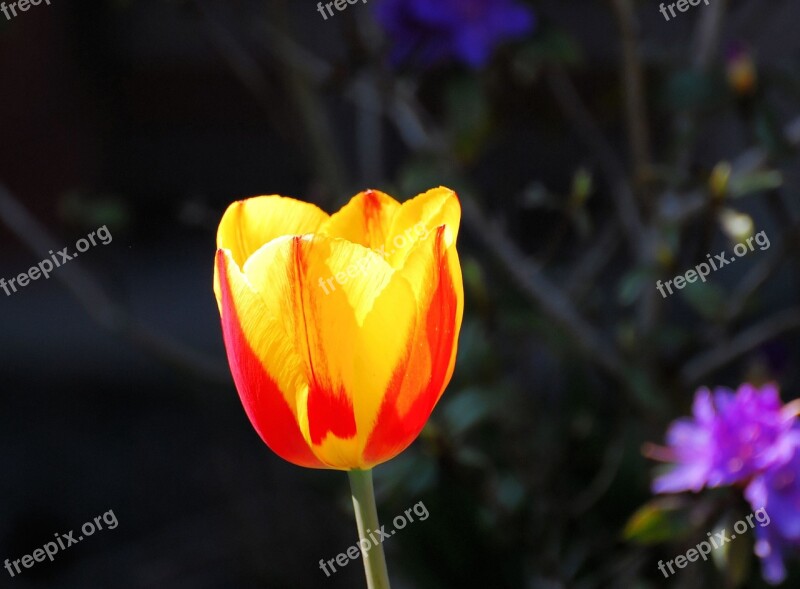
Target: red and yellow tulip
{"type": "Point", "coordinates": [341, 330]}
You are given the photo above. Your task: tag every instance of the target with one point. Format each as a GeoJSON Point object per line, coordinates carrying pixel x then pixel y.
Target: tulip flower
{"type": "Point", "coordinates": [341, 330]}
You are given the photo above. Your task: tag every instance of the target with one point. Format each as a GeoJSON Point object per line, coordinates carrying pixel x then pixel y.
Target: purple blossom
{"type": "Point", "coordinates": [778, 492]}
{"type": "Point", "coordinates": [747, 437]}
{"type": "Point", "coordinates": [433, 31]}
{"type": "Point", "coordinates": [731, 438]}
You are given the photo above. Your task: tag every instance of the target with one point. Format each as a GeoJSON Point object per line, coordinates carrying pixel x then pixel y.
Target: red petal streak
{"type": "Point", "coordinates": [392, 432]}
{"type": "Point", "coordinates": [372, 208]}
{"type": "Point", "coordinates": [328, 410]}
{"type": "Point", "coordinates": [373, 233]}
{"type": "Point", "coordinates": [263, 401]}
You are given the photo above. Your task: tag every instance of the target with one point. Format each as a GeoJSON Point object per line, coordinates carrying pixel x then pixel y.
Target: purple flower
{"type": "Point", "coordinates": [731, 438]}
{"type": "Point", "coordinates": [690, 448]}
{"type": "Point", "coordinates": [777, 491]}
{"type": "Point", "coordinates": [747, 437]}
{"type": "Point", "coordinates": [432, 31]}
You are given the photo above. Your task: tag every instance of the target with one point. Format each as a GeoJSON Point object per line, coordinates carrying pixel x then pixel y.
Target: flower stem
{"type": "Point", "coordinates": [367, 520]}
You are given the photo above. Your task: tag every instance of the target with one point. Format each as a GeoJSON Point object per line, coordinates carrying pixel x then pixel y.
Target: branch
{"type": "Point", "coordinates": [595, 490]}
{"type": "Point", "coordinates": [703, 47]}
{"type": "Point", "coordinates": [613, 170]}
{"type": "Point", "coordinates": [298, 82]}
{"type": "Point", "coordinates": [707, 34]}
{"type": "Point", "coordinates": [759, 274]}
{"type": "Point", "coordinates": [680, 209]}
{"type": "Point", "coordinates": [633, 88]}
{"type": "Point", "coordinates": [583, 276]}
{"type": "Point", "coordinates": [553, 302]}
{"type": "Point", "coordinates": [99, 306]}
{"type": "Point", "coordinates": [706, 362]}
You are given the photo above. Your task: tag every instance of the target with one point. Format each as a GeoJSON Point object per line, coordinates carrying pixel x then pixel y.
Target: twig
{"type": "Point", "coordinates": [588, 268]}
{"type": "Point", "coordinates": [706, 35]}
{"type": "Point", "coordinates": [703, 47]}
{"type": "Point", "coordinates": [633, 89]}
{"type": "Point", "coordinates": [614, 172]}
{"type": "Point", "coordinates": [99, 306]}
{"type": "Point", "coordinates": [706, 362]}
{"type": "Point", "coordinates": [550, 298]}
{"type": "Point", "coordinates": [759, 274]}
{"type": "Point", "coordinates": [369, 134]}
{"type": "Point", "coordinates": [402, 108]}
{"type": "Point", "coordinates": [592, 493]}
{"type": "Point", "coordinates": [316, 124]}
{"type": "Point", "coordinates": [690, 205]}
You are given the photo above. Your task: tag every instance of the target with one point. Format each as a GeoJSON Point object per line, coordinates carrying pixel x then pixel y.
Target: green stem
{"type": "Point", "coordinates": [367, 521]}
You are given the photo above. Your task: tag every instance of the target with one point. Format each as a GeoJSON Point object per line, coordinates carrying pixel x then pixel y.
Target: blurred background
{"type": "Point", "coordinates": [596, 146]}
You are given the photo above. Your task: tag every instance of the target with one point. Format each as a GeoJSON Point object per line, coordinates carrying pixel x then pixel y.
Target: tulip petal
{"type": "Point", "coordinates": [269, 408]}
{"type": "Point", "coordinates": [435, 275]}
{"type": "Point", "coordinates": [364, 220]}
{"type": "Point", "coordinates": [350, 316]}
{"type": "Point", "coordinates": [419, 217]}
{"type": "Point", "coordinates": [249, 224]}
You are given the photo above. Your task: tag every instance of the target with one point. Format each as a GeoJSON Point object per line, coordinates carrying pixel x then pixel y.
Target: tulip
{"type": "Point", "coordinates": [341, 330]}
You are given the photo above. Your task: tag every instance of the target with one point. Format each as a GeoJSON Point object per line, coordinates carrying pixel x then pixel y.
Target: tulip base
{"type": "Point", "coordinates": [367, 521]}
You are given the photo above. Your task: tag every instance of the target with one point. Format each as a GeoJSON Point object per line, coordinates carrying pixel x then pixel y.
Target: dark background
{"type": "Point", "coordinates": [151, 117]}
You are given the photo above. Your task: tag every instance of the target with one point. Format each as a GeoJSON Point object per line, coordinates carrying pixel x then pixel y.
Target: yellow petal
{"type": "Point", "coordinates": [418, 218]}
{"type": "Point", "coordinates": [349, 317]}
{"type": "Point", "coordinates": [364, 220]}
{"type": "Point", "coordinates": [249, 224]}
{"type": "Point", "coordinates": [433, 271]}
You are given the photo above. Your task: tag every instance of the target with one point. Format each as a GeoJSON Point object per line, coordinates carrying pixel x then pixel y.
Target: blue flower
{"type": "Point", "coordinates": [434, 31]}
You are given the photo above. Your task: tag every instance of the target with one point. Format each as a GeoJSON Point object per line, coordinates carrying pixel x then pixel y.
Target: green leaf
{"type": "Point", "coordinates": [94, 210]}
{"type": "Point", "coordinates": [690, 89]}
{"type": "Point", "coordinates": [549, 47]}
{"type": "Point", "coordinates": [582, 187]}
{"type": "Point", "coordinates": [706, 298]}
{"type": "Point", "coordinates": [758, 181]}
{"type": "Point", "coordinates": [631, 286]}
{"type": "Point", "coordinates": [734, 557]}
{"type": "Point", "coordinates": [659, 520]}
{"type": "Point", "coordinates": [510, 492]}
{"type": "Point", "coordinates": [554, 46]}
{"type": "Point", "coordinates": [468, 409]}
{"type": "Point", "coordinates": [467, 114]}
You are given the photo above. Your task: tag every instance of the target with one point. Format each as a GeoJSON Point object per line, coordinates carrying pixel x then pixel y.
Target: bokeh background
{"type": "Point", "coordinates": [596, 148]}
